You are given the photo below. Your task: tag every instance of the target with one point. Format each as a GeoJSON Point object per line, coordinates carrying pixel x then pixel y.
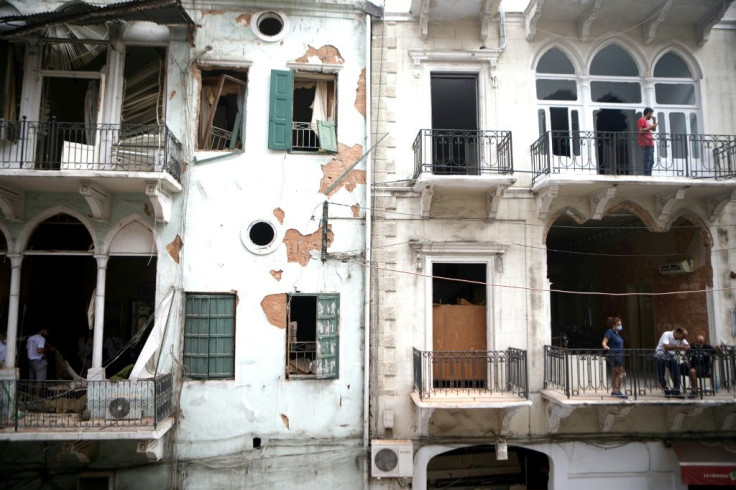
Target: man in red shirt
{"type": "Point", "coordinates": [645, 138]}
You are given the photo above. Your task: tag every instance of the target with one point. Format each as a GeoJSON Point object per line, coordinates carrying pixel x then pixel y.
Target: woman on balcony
{"type": "Point", "coordinates": [614, 344]}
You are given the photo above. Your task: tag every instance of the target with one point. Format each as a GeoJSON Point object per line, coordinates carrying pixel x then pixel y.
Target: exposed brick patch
{"type": "Point", "coordinates": [332, 170]}
{"type": "Point", "coordinates": [172, 94]}
{"type": "Point", "coordinates": [298, 246]}
{"type": "Point", "coordinates": [276, 274]}
{"type": "Point", "coordinates": [212, 12]}
{"type": "Point", "coordinates": [174, 248]}
{"type": "Point", "coordinates": [360, 94]}
{"type": "Point", "coordinates": [279, 214]}
{"type": "Point", "coordinates": [147, 209]}
{"type": "Point", "coordinates": [274, 306]}
{"type": "Point", "coordinates": [285, 420]}
{"type": "Point", "coordinates": [356, 210]}
{"type": "Point", "coordinates": [243, 19]}
{"type": "Point", "coordinates": [326, 54]}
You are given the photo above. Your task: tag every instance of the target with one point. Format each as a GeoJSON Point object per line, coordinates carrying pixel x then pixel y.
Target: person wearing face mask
{"type": "Point", "coordinates": [614, 344]}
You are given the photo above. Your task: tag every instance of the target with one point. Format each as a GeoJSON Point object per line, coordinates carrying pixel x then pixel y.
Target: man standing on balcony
{"type": "Point", "coordinates": [36, 348]}
{"type": "Point", "coordinates": [646, 140]}
{"type": "Point", "coordinates": [670, 343]}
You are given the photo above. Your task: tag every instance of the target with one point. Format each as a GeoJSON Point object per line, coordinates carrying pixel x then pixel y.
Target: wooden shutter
{"type": "Point", "coordinates": [282, 99]}
{"type": "Point", "coordinates": [328, 339]}
{"type": "Point", "coordinates": [327, 136]}
{"type": "Point", "coordinates": [209, 343]}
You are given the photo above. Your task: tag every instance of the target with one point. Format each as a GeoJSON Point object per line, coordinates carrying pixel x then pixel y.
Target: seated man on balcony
{"type": "Point", "coordinates": [700, 362]}
{"type": "Point", "coordinates": [670, 343]}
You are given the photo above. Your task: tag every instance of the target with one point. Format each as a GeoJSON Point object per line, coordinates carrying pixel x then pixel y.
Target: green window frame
{"type": "Point", "coordinates": [325, 363]}
{"type": "Point", "coordinates": [281, 113]}
{"type": "Point", "coordinates": [209, 336]}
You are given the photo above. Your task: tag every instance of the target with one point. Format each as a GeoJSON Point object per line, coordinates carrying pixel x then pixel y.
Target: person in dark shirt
{"type": "Point", "coordinates": [699, 356]}
{"type": "Point", "coordinates": [614, 344]}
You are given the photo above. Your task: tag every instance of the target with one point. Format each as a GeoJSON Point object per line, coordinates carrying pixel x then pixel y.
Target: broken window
{"type": "Point", "coordinates": [302, 112]}
{"type": "Point", "coordinates": [11, 84]}
{"type": "Point", "coordinates": [221, 110]}
{"type": "Point", "coordinates": [144, 85]}
{"type": "Point", "coordinates": [209, 336]}
{"type": "Point", "coordinates": [313, 345]}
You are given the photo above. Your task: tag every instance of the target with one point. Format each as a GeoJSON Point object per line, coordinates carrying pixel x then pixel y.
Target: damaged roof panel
{"type": "Point", "coordinates": [162, 12]}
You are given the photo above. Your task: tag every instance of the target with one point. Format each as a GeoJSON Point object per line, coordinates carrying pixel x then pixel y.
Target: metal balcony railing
{"type": "Point", "coordinates": [698, 156]}
{"type": "Point", "coordinates": [583, 373]}
{"type": "Point", "coordinates": [26, 404]}
{"type": "Point", "coordinates": [470, 373]}
{"type": "Point", "coordinates": [463, 152]}
{"type": "Point", "coordinates": [304, 136]}
{"type": "Point", "coordinates": [55, 145]}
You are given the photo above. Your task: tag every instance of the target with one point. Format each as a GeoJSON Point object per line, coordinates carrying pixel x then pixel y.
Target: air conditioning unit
{"type": "Point", "coordinates": [123, 408]}
{"type": "Point", "coordinates": [392, 458]}
{"type": "Point", "coordinates": [681, 267]}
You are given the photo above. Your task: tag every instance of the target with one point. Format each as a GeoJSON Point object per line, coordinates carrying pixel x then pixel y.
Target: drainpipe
{"type": "Point", "coordinates": [367, 270]}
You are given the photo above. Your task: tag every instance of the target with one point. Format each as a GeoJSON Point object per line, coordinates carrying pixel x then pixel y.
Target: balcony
{"type": "Point", "coordinates": [465, 160]}
{"type": "Point", "coordinates": [95, 160]}
{"type": "Point", "coordinates": [581, 378]}
{"type": "Point", "coordinates": [466, 378]}
{"type": "Point", "coordinates": [56, 145]}
{"type": "Point", "coordinates": [83, 409]}
{"type": "Point", "coordinates": [584, 375]}
{"type": "Point", "coordinates": [596, 166]}
{"type": "Point", "coordinates": [694, 156]}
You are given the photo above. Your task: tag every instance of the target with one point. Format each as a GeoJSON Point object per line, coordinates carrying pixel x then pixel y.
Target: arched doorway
{"type": "Point", "coordinates": [57, 281]}
{"type": "Point", "coordinates": [620, 254]}
{"type": "Point", "coordinates": [479, 467]}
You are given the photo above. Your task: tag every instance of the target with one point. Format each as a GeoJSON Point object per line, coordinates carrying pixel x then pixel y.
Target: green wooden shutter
{"type": "Point", "coordinates": [327, 136]}
{"type": "Point", "coordinates": [328, 339]}
{"type": "Point", "coordinates": [282, 99]}
{"type": "Point", "coordinates": [209, 343]}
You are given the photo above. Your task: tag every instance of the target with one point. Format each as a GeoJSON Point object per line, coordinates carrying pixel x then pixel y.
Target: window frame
{"type": "Point", "coordinates": [281, 110]}
{"type": "Point", "coordinates": [186, 356]}
{"type": "Point", "coordinates": [333, 336]}
{"type": "Point", "coordinates": [240, 123]}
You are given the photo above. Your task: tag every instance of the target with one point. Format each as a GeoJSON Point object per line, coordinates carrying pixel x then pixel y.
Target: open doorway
{"type": "Point", "coordinates": [456, 143]}
{"type": "Point", "coordinates": [619, 254]}
{"type": "Point", "coordinates": [615, 141]}
{"type": "Point", "coordinates": [480, 467]}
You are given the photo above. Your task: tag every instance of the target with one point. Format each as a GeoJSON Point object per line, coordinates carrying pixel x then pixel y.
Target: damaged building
{"type": "Point", "coordinates": [513, 214]}
{"type": "Point", "coordinates": [183, 192]}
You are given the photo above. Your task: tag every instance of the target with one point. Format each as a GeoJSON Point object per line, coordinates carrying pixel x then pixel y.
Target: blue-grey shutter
{"type": "Point", "coordinates": [328, 339]}
{"type": "Point", "coordinates": [327, 136]}
{"type": "Point", "coordinates": [280, 104]}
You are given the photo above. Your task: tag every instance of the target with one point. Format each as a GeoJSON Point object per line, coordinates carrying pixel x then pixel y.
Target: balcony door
{"type": "Point", "coordinates": [455, 135]}
{"type": "Point", "coordinates": [459, 325]}
{"type": "Point", "coordinates": [68, 115]}
{"type": "Point", "coordinates": [616, 143]}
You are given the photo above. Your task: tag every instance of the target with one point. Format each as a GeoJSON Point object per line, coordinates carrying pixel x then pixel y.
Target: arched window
{"type": "Point", "coordinates": [557, 93]}
{"type": "Point", "coordinates": [613, 61]}
{"type": "Point", "coordinates": [676, 103]}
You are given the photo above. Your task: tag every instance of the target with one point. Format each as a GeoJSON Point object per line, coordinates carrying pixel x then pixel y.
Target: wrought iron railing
{"type": "Point", "coordinates": [66, 404]}
{"type": "Point", "coordinates": [463, 152]}
{"type": "Point", "coordinates": [470, 373]}
{"type": "Point", "coordinates": [699, 156]}
{"type": "Point", "coordinates": [304, 136]}
{"type": "Point", "coordinates": [587, 372]}
{"type": "Point", "coordinates": [55, 145]}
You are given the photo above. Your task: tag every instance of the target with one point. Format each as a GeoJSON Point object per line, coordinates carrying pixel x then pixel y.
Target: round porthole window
{"type": "Point", "coordinates": [260, 236]}
{"type": "Point", "coordinates": [270, 26]}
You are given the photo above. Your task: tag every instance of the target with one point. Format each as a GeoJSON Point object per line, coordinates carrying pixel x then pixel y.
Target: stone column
{"type": "Point", "coordinates": [10, 371]}
{"type": "Point", "coordinates": [97, 372]}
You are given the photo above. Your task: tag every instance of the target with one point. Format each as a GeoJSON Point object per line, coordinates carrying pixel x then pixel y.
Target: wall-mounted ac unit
{"type": "Point", "coordinates": [392, 458]}
{"type": "Point", "coordinates": [123, 408]}
{"type": "Point", "coordinates": [681, 267]}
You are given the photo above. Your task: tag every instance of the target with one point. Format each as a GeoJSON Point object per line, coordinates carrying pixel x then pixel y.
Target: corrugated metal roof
{"type": "Point", "coordinates": [163, 12]}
